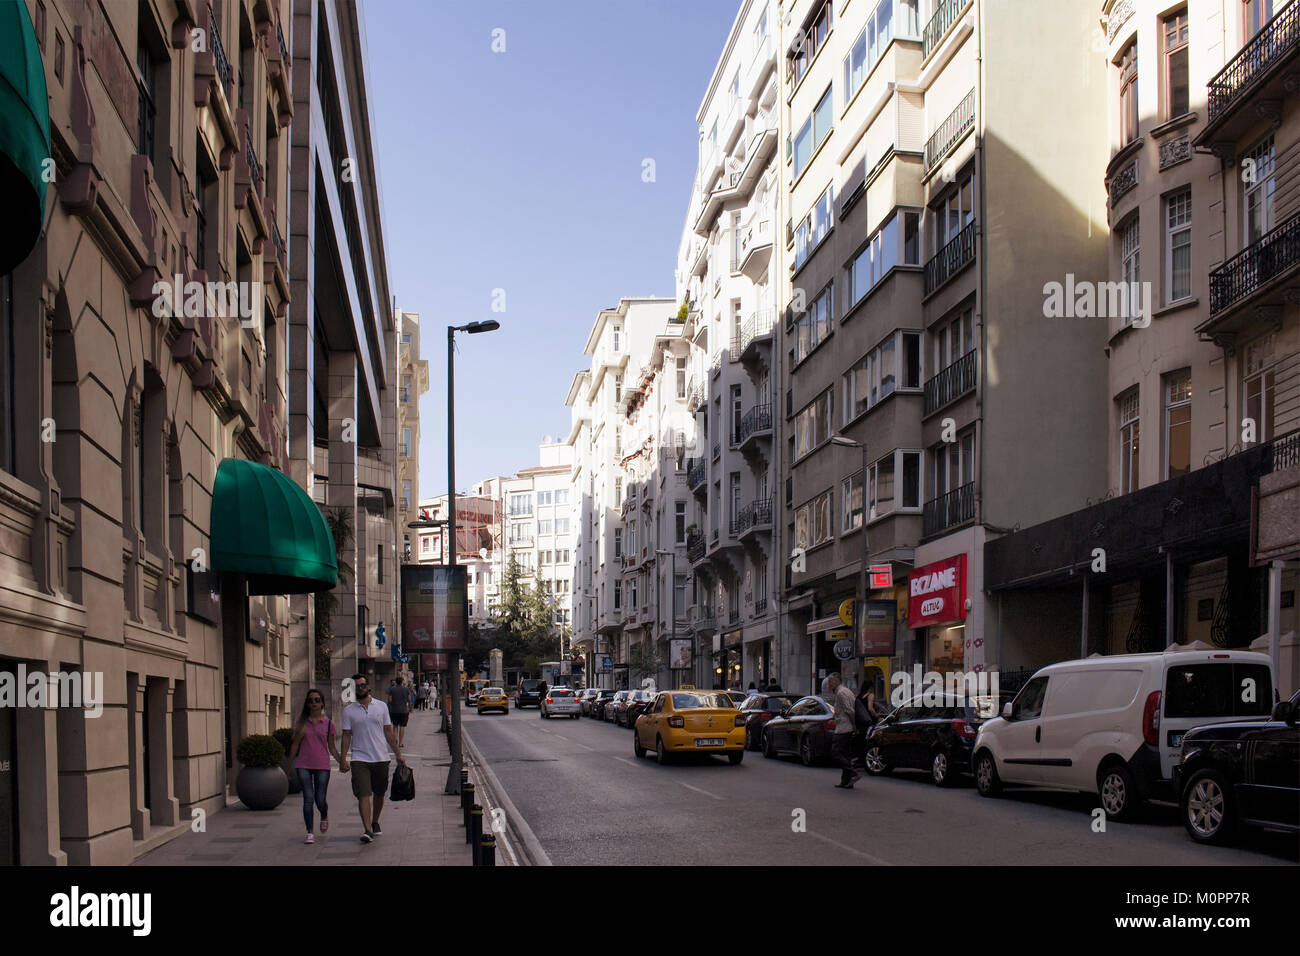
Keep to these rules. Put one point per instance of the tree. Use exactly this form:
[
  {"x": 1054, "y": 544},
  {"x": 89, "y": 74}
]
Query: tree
[
  {"x": 524, "y": 619},
  {"x": 644, "y": 660}
]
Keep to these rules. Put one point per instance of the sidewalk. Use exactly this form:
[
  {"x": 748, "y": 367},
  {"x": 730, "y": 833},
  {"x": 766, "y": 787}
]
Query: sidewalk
[{"x": 426, "y": 831}]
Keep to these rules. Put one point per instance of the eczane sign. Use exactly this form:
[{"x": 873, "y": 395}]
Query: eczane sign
[{"x": 937, "y": 592}]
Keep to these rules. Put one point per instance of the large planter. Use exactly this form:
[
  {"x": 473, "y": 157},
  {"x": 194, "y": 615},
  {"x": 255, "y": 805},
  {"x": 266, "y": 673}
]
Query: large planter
[{"x": 261, "y": 788}]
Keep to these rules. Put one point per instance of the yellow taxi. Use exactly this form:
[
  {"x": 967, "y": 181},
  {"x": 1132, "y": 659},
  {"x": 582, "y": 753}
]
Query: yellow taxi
[
  {"x": 690, "y": 721},
  {"x": 493, "y": 698}
]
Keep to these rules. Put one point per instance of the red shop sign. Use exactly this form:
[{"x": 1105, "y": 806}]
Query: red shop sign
[{"x": 937, "y": 592}]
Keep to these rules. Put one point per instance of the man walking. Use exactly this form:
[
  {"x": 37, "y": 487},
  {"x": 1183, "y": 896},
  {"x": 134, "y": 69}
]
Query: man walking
[
  {"x": 368, "y": 732},
  {"x": 399, "y": 707},
  {"x": 842, "y": 739}
]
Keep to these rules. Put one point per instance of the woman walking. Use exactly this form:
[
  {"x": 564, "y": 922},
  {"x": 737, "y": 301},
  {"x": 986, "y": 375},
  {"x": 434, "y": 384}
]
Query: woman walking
[{"x": 309, "y": 755}]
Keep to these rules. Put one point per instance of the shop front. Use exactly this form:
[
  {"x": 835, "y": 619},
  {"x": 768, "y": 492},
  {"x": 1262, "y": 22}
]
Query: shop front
[
  {"x": 758, "y": 664},
  {"x": 936, "y": 610},
  {"x": 727, "y": 655}
]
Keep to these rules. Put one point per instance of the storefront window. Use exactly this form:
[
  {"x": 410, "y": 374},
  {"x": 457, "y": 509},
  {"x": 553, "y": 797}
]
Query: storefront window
[{"x": 946, "y": 649}]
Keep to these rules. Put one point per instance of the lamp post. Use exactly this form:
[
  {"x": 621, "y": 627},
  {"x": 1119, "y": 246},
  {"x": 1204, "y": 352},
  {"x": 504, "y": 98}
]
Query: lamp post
[
  {"x": 860, "y": 617},
  {"x": 453, "y": 675},
  {"x": 672, "y": 602}
]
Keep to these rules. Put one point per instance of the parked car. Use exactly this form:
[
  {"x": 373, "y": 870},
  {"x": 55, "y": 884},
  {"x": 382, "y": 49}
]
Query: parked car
[
  {"x": 585, "y": 698},
  {"x": 759, "y": 708},
  {"x": 560, "y": 702},
  {"x": 805, "y": 729},
  {"x": 625, "y": 714},
  {"x": 682, "y": 721},
  {"x": 1114, "y": 724},
  {"x": 737, "y": 696},
  {"x": 493, "y": 698},
  {"x": 1242, "y": 773},
  {"x": 529, "y": 693},
  {"x": 611, "y": 708},
  {"x": 935, "y": 733},
  {"x": 597, "y": 706}
]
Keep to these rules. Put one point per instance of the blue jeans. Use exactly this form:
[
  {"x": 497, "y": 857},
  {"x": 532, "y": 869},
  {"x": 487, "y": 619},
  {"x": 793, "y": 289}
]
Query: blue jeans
[{"x": 314, "y": 784}]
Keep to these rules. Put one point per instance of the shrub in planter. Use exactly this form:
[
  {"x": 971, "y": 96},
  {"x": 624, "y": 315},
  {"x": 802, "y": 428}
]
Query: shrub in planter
[
  {"x": 285, "y": 736},
  {"x": 261, "y": 784}
]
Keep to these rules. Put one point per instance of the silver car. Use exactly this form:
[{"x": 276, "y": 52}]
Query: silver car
[{"x": 560, "y": 702}]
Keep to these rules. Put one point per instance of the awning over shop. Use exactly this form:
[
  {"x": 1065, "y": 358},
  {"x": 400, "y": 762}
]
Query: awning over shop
[
  {"x": 832, "y": 623},
  {"x": 266, "y": 527},
  {"x": 24, "y": 134}
]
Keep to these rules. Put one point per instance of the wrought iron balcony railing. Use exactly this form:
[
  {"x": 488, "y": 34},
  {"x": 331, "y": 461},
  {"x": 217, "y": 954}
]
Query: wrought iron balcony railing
[
  {"x": 1274, "y": 253},
  {"x": 950, "y": 130},
  {"x": 254, "y": 164},
  {"x": 950, "y": 384},
  {"x": 757, "y": 419},
  {"x": 950, "y": 510},
  {"x": 754, "y": 515},
  {"x": 697, "y": 472},
  {"x": 219, "y": 52},
  {"x": 694, "y": 546},
  {"x": 951, "y": 259},
  {"x": 1276, "y": 40},
  {"x": 1284, "y": 451},
  {"x": 944, "y": 17}
]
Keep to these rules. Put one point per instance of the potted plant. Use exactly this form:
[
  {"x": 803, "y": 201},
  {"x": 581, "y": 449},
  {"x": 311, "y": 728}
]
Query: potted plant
[
  {"x": 285, "y": 736},
  {"x": 261, "y": 784}
]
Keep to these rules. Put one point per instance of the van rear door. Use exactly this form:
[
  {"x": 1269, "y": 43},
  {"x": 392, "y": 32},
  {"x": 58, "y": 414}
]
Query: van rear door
[{"x": 1212, "y": 691}]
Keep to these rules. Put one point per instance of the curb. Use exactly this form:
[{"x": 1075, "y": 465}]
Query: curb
[{"x": 530, "y": 848}]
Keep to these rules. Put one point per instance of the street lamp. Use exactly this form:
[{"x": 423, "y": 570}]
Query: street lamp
[
  {"x": 673, "y": 584},
  {"x": 860, "y": 617},
  {"x": 453, "y": 676}
]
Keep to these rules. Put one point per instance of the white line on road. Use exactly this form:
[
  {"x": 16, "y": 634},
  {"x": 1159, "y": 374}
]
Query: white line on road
[
  {"x": 630, "y": 763},
  {"x": 698, "y": 790},
  {"x": 848, "y": 849}
]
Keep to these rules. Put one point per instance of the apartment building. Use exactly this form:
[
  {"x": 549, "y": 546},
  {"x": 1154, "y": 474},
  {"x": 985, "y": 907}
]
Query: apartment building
[
  {"x": 1198, "y": 530},
  {"x": 413, "y": 374},
  {"x": 540, "y": 536},
  {"x": 932, "y": 193},
  {"x": 728, "y": 279},
  {"x": 152, "y": 539},
  {"x": 622, "y": 337}
]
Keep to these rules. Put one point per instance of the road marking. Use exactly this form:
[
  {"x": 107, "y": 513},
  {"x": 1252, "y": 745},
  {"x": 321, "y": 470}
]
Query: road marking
[
  {"x": 848, "y": 849},
  {"x": 630, "y": 763},
  {"x": 698, "y": 790}
]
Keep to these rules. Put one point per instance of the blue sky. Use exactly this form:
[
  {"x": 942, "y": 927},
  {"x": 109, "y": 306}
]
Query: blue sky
[{"x": 521, "y": 171}]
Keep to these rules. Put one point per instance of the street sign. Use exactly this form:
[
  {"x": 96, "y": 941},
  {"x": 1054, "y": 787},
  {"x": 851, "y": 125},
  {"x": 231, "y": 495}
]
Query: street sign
[
  {"x": 846, "y": 612},
  {"x": 882, "y": 576},
  {"x": 843, "y": 649}
]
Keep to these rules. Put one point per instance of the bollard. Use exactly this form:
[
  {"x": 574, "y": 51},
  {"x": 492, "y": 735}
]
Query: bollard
[
  {"x": 464, "y": 778},
  {"x": 487, "y": 854},
  {"x": 475, "y": 833},
  {"x": 467, "y": 793}
]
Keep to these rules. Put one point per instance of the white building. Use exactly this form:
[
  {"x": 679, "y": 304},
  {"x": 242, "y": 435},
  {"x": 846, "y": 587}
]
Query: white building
[{"x": 540, "y": 534}]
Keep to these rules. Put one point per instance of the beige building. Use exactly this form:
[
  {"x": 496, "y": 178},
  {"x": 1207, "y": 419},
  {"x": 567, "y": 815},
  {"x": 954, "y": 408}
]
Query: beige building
[
  {"x": 414, "y": 382},
  {"x": 1204, "y": 390}
]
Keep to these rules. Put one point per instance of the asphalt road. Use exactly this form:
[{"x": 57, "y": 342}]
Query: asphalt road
[{"x": 590, "y": 801}]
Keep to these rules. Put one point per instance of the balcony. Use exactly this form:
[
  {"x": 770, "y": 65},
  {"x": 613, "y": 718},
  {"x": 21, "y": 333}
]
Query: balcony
[
  {"x": 950, "y": 260},
  {"x": 949, "y": 511},
  {"x": 717, "y": 449},
  {"x": 760, "y": 66},
  {"x": 950, "y": 132},
  {"x": 703, "y": 623},
  {"x": 1259, "y": 73},
  {"x": 1255, "y": 276},
  {"x": 755, "y": 250},
  {"x": 695, "y": 547},
  {"x": 716, "y": 366},
  {"x": 224, "y": 73},
  {"x": 760, "y": 606},
  {"x": 951, "y": 384},
  {"x": 756, "y": 330},
  {"x": 756, "y": 424},
  {"x": 944, "y": 17},
  {"x": 525, "y": 541},
  {"x": 697, "y": 474},
  {"x": 754, "y": 517},
  {"x": 695, "y": 398},
  {"x": 699, "y": 257}
]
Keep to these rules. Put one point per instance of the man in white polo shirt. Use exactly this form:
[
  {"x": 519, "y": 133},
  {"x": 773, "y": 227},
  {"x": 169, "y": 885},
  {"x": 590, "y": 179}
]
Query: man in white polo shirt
[{"x": 368, "y": 733}]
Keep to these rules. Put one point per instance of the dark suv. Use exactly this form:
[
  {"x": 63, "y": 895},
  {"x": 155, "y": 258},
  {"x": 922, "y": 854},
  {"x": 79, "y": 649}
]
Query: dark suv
[{"x": 529, "y": 693}]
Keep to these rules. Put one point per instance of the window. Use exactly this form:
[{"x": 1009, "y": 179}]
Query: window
[
  {"x": 618, "y": 329},
  {"x": 680, "y": 522},
  {"x": 737, "y": 414},
  {"x": 734, "y": 496},
  {"x": 954, "y": 464},
  {"x": 521, "y": 505},
  {"x": 814, "y": 37},
  {"x": 424, "y": 545},
  {"x": 618, "y": 389},
  {"x": 679, "y": 595},
  {"x": 618, "y": 542},
  {"x": 851, "y": 503},
  {"x": 561, "y": 525},
  {"x": 406, "y": 494},
  {"x": 814, "y": 227},
  {"x": 618, "y": 492},
  {"x": 1178, "y": 423},
  {"x": 379, "y": 562},
  {"x": 882, "y": 26},
  {"x": 955, "y": 212},
  {"x": 1260, "y": 401},
  {"x": 894, "y": 483},
  {"x": 1257, "y": 175},
  {"x": 1130, "y": 271},
  {"x": 681, "y": 379},
  {"x": 521, "y": 531},
  {"x": 813, "y": 522},
  {"x": 1178, "y": 246},
  {"x": 1176, "y": 83},
  {"x": 544, "y": 526},
  {"x": 562, "y": 496},
  {"x": 878, "y": 373},
  {"x": 814, "y": 326},
  {"x": 1128, "y": 440},
  {"x": 953, "y": 338},
  {"x": 406, "y": 443},
  {"x": 1128, "y": 94},
  {"x": 880, "y": 254},
  {"x": 814, "y": 131},
  {"x": 1255, "y": 13},
  {"x": 146, "y": 98},
  {"x": 543, "y": 498},
  {"x": 812, "y": 426},
  {"x": 760, "y": 32}
]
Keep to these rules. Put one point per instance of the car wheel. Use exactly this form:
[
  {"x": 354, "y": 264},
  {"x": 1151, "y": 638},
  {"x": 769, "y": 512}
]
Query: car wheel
[
  {"x": 1119, "y": 796},
  {"x": 636, "y": 745},
  {"x": 941, "y": 771},
  {"x": 735, "y": 757},
  {"x": 874, "y": 759},
  {"x": 1207, "y": 810},
  {"x": 661, "y": 752},
  {"x": 806, "y": 751},
  {"x": 986, "y": 775},
  {"x": 768, "y": 750}
]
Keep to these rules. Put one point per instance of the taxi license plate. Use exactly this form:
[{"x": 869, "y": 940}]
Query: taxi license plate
[{"x": 709, "y": 742}]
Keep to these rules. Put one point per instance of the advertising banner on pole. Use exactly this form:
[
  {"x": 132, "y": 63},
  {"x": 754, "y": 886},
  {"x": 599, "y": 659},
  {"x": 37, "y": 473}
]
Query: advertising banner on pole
[
  {"x": 433, "y": 608},
  {"x": 876, "y": 629},
  {"x": 679, "y": 654}
]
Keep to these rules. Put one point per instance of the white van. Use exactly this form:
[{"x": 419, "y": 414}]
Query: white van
[{"x": 1114, "y": 724}]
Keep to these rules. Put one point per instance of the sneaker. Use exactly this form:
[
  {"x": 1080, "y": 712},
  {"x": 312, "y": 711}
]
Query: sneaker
[
  {"x": 845, "y": 786},
  {"x": 367, "y": 838},
  {"x": 310, "y": 839},
  {"x": 324, "y": 824},
  {"x": 376, "y": 829},
  {"x": 857, "y": 775}
]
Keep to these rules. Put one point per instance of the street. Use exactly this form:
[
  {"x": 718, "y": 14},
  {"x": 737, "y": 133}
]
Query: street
[{"x": 590, "y": 801}]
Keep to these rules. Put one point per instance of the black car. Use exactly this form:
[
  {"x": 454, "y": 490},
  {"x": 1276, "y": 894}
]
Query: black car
[
  {"x": 597, "y": 706},
  {"x": 935, "y": 734},
  {"x": 634, "y": 707},
  {"x": 1241, "y": 773},
  {"x": 760, "y": 707},
  {"x": 530, "y": 693},
  {"x": 805, "y": 729},
  {"x": 611, "y": 708}
]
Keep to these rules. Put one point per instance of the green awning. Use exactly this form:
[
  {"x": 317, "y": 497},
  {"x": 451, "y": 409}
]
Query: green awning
[
  {"x": 24, "y": 134},
  {"x": 264, "y": 526}
]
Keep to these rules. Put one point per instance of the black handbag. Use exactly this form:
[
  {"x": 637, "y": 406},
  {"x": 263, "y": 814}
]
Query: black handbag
[{"x": 403, "y": 784}]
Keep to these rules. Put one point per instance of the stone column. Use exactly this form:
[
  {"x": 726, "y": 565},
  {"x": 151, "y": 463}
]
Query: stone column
[
  {"x": 135, "y": 704},
  {"x": 160, "y": 699},
  {"x": 39, "y": 834}
]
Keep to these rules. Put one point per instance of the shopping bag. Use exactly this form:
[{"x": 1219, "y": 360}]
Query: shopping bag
[{"x": 403, "y": 784}]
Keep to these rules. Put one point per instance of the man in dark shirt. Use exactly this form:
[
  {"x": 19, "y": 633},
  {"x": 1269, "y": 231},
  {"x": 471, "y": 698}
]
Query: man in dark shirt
[{"x": 399, "y": 707}]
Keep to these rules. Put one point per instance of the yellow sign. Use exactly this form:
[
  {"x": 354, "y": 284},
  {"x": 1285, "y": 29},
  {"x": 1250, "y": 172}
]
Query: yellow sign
[
  {"x": 686, "y": 687},
  {"x": 837, "y": 635},
  {"x": 846, "y": 612}
]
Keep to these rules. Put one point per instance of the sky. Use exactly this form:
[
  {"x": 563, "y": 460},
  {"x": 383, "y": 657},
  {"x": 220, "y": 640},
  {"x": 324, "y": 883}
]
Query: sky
[{"x": 521, "y": 171}]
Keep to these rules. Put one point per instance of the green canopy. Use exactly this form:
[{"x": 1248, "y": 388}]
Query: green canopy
[
  {"x": 264, "y": 526},
  {"x": 24, "y": 134}
]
